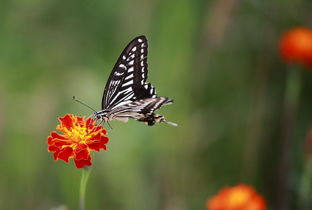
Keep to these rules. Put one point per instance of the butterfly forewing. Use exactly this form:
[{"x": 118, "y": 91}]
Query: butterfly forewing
[{"x": 127, "y": 82}]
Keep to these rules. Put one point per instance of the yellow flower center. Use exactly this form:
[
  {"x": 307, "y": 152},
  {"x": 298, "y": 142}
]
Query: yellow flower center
[
  {"x": 238, "y": 197},
  {"x": 78, "y": 134}
]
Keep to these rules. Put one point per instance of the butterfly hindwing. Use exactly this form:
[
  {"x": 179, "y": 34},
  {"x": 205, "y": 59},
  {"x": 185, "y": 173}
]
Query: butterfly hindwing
[{"x": 142, "y": 106}]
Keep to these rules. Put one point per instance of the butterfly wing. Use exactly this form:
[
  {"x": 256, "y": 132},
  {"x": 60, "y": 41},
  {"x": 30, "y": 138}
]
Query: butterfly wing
[
  {"x": 127, "y": 81},
  {"x": 139, "y": 108},
  {"x": 127, "y": 94}
]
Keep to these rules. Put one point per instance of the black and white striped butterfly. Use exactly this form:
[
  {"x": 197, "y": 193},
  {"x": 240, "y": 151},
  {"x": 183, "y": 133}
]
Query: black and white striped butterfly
[{"x": 127, "y": 94}]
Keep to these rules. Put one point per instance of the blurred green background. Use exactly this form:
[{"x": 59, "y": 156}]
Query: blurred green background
[{"x": 217, "y": 59}]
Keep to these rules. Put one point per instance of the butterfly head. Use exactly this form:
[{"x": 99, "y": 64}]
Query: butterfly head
[{"x": 101, "y": 115}]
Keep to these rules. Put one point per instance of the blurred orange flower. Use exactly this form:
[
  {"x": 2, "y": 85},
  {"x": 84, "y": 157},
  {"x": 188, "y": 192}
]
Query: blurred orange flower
[
  {"x": 296, "y": 46},
  {"x": 240, "y": 197},
  {"x": 79, "y": 138}
]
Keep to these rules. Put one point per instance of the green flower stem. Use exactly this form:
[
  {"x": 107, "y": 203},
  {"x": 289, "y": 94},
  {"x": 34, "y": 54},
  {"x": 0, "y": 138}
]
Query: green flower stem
[
  {"x": 293, "y": 86},
  {"x": 83, "y": 184},
  {"x": 305, "y": 186},
  {"x": 291, "y": 102}
]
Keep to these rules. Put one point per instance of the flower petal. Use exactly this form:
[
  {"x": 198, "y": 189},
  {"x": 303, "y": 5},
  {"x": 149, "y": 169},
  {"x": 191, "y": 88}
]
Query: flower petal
[
  {"x": 57, "y": 136},
  {"x": 104, "y": 139},
  {"x": 80, "y": 147},
  {"x": 58, "y": 143},
  {"x": 65, "y": 154},
  {"x": 82, "y": 154},
  {"x": 67, "y": 121},
  {"x": 90, "y": 123},
  {"x": 55, "y": 155},
  {"x": 82, "y": 162},
  {"x": 53, "y": 148},
  {"x": 96, "y": 145}
]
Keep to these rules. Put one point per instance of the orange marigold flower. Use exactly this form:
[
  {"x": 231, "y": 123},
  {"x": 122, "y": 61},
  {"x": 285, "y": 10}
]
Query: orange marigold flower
[
  {"x": 296, "y": 46},
  {"x": 240, "y": 197},
  {"x": 79, "y": 138}
]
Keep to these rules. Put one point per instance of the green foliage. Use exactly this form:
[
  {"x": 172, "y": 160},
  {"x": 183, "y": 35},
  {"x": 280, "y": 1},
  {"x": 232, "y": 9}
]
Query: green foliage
[{"x": 217, "y": 59}]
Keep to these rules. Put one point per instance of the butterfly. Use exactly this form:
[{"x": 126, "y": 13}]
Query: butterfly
[{"x": 127, "y": 95}]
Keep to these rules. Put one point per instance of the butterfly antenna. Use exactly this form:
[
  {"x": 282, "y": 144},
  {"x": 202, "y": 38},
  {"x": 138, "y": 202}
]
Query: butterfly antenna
[{"x": 74, "y": 98}]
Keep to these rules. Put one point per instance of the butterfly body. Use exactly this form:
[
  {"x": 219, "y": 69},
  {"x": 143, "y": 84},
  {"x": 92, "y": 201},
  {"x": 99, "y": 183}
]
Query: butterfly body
[{"x": 127, "y": 95}]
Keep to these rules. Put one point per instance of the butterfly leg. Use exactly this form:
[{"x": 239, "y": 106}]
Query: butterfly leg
[
  {"x": 109, "y": 125},
  {"x": 101, "y": 121}
]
